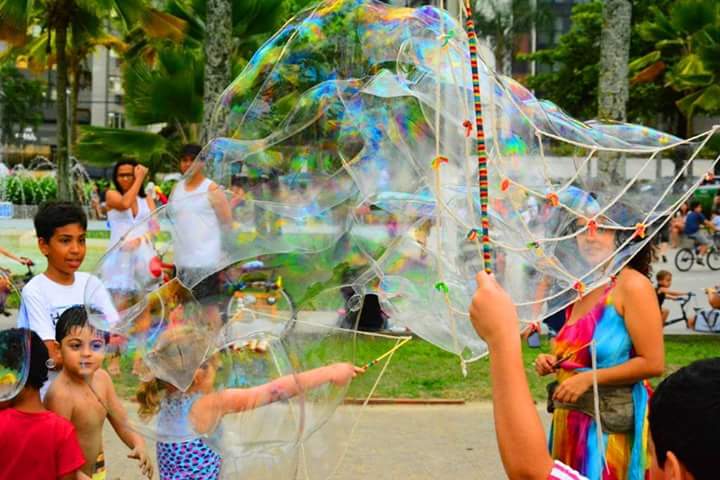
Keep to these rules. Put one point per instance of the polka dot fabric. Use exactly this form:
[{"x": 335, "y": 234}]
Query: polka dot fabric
[{"x": 191, "y": 460}]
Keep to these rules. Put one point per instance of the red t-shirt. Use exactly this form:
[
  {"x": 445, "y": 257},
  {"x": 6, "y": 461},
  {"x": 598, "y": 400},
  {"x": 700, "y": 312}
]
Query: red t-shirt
[{"x": 37, "y": 445}]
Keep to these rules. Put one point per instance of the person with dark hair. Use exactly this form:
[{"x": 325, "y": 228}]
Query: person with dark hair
[
  {"x": 684, "y": 412},
  {"x": 664, "y": 282},
  {"x": 685, "y": 421},
  {"x": 61, "y": 229},
  {"x": 84, "y": 394},
  {"x": 189, "y": 152},
  {"x": 128, "y": 209},
  {"x": 622, "y": 321},
  {"x": 695, "y": 223},
  {"x": 35, "y": 442},
  {"x": 201, "y": 213},
  {"x": 128, "y": 203}
]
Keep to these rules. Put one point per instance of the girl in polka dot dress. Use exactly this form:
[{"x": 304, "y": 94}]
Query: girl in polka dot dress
[{"x": 196, "y": 414}]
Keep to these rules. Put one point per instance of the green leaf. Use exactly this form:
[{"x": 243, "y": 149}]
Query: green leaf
[
  {"x": 690, "y": 16},
  {"x": 689, "y": 73},
  {"x": 647, "y": 60},
  {"x": 687, "y": 104},
  {"x": 169, "y": 91},
  {"x": 658, "y": 29},
  {"x": 104, "y": 146},
  {"x": 670, "y": 43},
  {"x": 15, "y": 16},
  {"x": 709, "y": 100}
]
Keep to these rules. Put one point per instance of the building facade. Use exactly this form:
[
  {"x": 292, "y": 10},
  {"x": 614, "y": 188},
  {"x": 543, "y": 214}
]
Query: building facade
[{"x": 100, "y": 102}]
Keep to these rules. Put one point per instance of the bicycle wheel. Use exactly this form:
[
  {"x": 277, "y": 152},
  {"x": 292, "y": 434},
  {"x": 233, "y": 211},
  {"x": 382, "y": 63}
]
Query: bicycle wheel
[
  {"x": 713, "y": 259},
  {"x": 684, "y": 259}
]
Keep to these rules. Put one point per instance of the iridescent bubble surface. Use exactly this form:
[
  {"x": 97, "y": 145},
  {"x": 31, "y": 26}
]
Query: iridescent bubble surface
[{"x": 345, "y": 169}]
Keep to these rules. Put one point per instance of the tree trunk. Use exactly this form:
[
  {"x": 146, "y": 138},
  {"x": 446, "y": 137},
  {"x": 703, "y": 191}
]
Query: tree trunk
[
  {"x": 74, "y": 92},
  {"x": 613, "y": 88},
  {"x": 62, "y": 161},
  {"x": 218, "y": 46},
  {"x": 689, "y": 132}
]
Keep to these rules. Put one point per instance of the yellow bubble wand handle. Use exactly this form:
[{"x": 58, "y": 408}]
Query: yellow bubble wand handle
[{"x": 388, "y": 353}]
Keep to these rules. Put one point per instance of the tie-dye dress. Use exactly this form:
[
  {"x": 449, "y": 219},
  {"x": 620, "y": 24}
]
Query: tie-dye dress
[{"x": 573, "y": 436}]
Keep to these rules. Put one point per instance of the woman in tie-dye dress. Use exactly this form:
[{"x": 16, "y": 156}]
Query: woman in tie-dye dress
[{"x": 623, "y": 320}]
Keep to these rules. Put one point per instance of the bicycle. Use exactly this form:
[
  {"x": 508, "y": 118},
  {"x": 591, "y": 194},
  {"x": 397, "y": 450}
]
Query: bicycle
[
  {"x": 688, "y": 255},
  {"x": 18, "y": 281},
  {"x": 684, "y": 300},
  {"x": 12, "y": 284}
]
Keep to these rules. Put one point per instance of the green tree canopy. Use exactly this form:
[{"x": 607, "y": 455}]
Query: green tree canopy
[{"x": 21, "y": 101}]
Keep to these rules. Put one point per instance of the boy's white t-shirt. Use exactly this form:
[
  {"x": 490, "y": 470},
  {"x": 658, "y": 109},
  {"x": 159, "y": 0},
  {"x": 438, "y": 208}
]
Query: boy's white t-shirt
[{"x": 43, "y": 301}]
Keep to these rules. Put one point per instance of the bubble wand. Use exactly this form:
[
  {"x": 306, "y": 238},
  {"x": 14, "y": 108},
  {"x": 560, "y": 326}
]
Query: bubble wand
[
  {"x": 388, "y": 353},
  {"x": 480, "y": 138}
]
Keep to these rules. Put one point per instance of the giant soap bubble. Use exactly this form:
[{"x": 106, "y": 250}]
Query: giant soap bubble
[
  {"x": 14, "y": 345},
  {"x": 255, "y": 345},
  {"x": 345, "y": 168},
  {"x": 349, "y": 142},
  {"x": 366, "y": 112}
]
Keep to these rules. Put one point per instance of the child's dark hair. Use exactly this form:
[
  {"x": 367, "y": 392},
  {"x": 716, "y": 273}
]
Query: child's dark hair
[
  {"x": 52, "y": 215},
  {"x": 73, "y": 317},
  {"x": 132, "y": 163},
  {"x": 694, "y": 204},
  {"x": 662, "y": 275},
  {"x": 12, "y": 347},
  {"x": 685, "y": 417}
]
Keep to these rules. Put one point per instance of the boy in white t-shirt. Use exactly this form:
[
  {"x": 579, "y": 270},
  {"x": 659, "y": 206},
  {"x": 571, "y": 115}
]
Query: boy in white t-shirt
[{"x": 60, "y": 228}]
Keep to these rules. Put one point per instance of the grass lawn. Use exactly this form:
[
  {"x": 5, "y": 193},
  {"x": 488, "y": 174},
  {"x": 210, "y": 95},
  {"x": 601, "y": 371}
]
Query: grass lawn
[{"x": 420, "y": 370}]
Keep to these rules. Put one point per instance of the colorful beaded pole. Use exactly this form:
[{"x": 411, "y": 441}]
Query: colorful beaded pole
[{"x": 480, "y": 133}]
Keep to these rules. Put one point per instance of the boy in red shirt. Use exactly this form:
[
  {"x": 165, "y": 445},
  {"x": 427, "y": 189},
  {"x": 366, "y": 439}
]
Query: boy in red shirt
[{"x": 35, "y": 442}]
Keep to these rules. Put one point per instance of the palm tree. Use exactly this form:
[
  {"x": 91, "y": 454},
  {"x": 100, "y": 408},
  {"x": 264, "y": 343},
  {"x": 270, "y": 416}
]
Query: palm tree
[
  {"x": 502, "y": 22},
  {"x": 62, "y": 18},
  {"x": 686, "y": 57},
  {"x": 166, "y": 79},
  {"x": 35, "y": 56},
  {"x": 613, "y": 87},
  {"x": 217, "y": 57}
]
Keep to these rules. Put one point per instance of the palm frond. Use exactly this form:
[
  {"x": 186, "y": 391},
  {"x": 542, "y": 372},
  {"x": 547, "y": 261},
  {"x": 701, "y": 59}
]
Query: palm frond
[
  {"x": 105, "y": 146},
  {"x": 15, "y": 16}
]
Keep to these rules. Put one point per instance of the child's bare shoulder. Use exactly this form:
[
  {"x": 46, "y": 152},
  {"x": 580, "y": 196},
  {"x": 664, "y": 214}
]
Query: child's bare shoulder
[
  {"x": 58, "y": 390},
  {"x": 60, "y": 399},
  {"x": 102, "y": 381}
]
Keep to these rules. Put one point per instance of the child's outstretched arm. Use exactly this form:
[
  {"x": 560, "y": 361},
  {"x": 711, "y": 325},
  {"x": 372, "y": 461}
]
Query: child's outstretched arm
[
  {"x": 239, "y": 399},
  {"x": 520, "y": 434},
  {"x": 672, "y": 294},
  {"x": 12, "y": 256},
  {"x": 119, "y": 420},
  {"x": 207, "y": 411}
]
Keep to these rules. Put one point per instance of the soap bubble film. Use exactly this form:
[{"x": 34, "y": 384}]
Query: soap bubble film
[{"x": 344, "y": 175}]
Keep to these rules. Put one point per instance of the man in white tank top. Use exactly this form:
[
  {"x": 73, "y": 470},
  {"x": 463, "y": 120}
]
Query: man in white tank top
[{"x": 200, "y": 212}]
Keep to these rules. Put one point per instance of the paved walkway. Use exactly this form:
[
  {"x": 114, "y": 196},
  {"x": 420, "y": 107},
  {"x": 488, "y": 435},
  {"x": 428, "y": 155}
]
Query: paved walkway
[{"x": 397, "y": 442}]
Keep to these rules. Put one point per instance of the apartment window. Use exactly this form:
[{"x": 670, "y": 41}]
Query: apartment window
[
  {"x": 115, "y": 85},
  {"x": 116, "y": 120}
]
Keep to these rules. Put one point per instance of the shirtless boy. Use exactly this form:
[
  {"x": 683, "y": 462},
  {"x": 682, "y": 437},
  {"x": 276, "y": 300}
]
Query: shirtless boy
[{"x": 84, "y": 394}]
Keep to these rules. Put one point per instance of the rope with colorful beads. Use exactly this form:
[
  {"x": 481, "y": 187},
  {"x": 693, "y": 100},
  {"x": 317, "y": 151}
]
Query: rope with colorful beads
[{"x": 480, "y": 136}]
